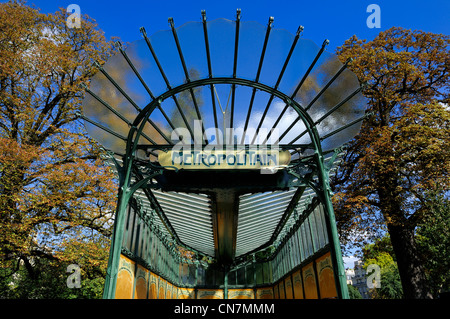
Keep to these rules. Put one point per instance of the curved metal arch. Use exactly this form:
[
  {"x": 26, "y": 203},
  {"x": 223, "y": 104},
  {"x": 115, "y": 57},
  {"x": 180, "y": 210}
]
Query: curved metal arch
[
  {"x": 141, "y": 118},
  {"x": 137, "y": 127},
  {"x": 140, "y": 121}
]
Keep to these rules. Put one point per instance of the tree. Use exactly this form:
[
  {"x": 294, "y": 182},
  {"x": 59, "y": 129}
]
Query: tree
[
  {"x": 433, "y": 239},
  {"x": 402, "y": 150},
  {"x": 55, "y": 191},
  {"x": 381, "y": 253},
  {"x": 353, "y": 292}
]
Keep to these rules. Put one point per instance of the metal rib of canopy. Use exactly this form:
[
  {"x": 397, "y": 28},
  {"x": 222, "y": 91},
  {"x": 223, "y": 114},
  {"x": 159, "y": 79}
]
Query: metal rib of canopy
[{"x": 272, "y": 87}]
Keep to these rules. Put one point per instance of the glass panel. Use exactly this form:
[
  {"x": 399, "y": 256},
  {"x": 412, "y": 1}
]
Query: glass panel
[
  {"x": 259, "y": 274},
  {"x": 192, "y": 272},
  {"x": 165, "y": 48},
  {"x": 313, "y": 229},
  {"x": 125, "y": 240},
  {"x": 137, "y": 235},
  {"x": 324, "y": 223},
  {"x": 275, "y": 268},
  {"x": 219, "y": 277},
  {"x": 271, "y": 279},
  {"x": 240, "y": 279},
  {"x": 150, "y": 248},
  {"x": 145, "y": 241},
  {"x": 99, "y": 113},
  {"x": 232, "y": 278},
  {"x": 201, "y": 273},
  {"x": 192, "y": 43},
  {"x": 319, "y": 225},
  {"x": 301, "y": 59},
  {"x": 297, "y": 258},
  {"x": 141, "y": 237},
  {"x": 308, "y": 237},
  {"x": 106, "y": 139},
  {"x": 292, "y": 251},
  {"x": 286, "y": 257},
  {"x": 300, "y": 245},
  {"x": 186, "y": 102},
  {"x": 209, "y": 276},
  {"x": 283, "y": 261},
  {"x": 140, "y": 55},
  {"x": 162, "y": 258},
  {"x": 278, "y": 47},
  {"x": 340, "y": 89},
  {"x": 184, "y": 273},
  {"x": 304, "y": 241},
  {"x": 133, "y": 230},
  {"x": 221, "y": 34},
  {"x": 156, "y": 253},
  {"x": 123, "y": 75},
  {"x": 249, "y": 269},
  {"x": 251, "y": 40},
  {"x": 266, "y": 272}
]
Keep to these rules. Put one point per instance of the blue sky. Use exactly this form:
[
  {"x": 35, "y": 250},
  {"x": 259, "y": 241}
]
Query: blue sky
[{"x": 333, "y": 20}]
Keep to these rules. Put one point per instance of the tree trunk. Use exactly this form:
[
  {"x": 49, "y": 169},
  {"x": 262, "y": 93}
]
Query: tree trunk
[
  {"x": 414, "y": 282},
  {"x": 401, "y": 231}
]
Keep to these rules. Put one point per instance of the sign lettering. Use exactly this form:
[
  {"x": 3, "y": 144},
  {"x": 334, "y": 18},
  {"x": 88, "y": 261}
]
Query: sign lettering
[{"x": 224, "y": 159}]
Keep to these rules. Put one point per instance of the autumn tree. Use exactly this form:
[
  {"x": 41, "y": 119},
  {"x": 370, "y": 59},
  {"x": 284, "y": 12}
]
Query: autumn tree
[
  {"x": 401, "y": 153},
  {"x": 56, "y": 194},
  {"x": 381, "y": 253}
]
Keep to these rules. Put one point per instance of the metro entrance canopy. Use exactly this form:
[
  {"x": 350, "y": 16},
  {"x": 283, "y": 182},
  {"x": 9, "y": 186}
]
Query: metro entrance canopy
[{"x": 224, "y": 135}]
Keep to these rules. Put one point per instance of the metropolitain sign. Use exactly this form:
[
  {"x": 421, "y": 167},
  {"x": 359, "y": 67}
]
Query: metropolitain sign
[{"x": 225, "y": 159}]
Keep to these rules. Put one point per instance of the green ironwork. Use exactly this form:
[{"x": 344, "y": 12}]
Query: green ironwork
[{"x": 213, "y": 214}]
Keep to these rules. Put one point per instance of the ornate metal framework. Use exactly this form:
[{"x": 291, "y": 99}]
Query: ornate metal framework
[{"x": 225, "y": 217}]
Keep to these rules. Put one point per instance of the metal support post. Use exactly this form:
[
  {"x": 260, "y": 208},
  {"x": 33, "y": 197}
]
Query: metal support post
[{"x": 336, "y": 255}]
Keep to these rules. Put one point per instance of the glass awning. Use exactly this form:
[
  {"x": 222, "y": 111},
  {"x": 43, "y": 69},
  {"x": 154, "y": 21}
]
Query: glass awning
[
  {"x": 215, "y": 83},
  {"x": 148, "y": 68}
]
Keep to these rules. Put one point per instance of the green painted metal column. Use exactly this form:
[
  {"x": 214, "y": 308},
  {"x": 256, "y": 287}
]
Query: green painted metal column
[
  {"x": 325, "y": 195},
  {"x": 225, "y": 284},
  {"x": 116, "y": 241},
  {"x": 333, "y": 237},
  {"x": 126, "y": 191}
]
